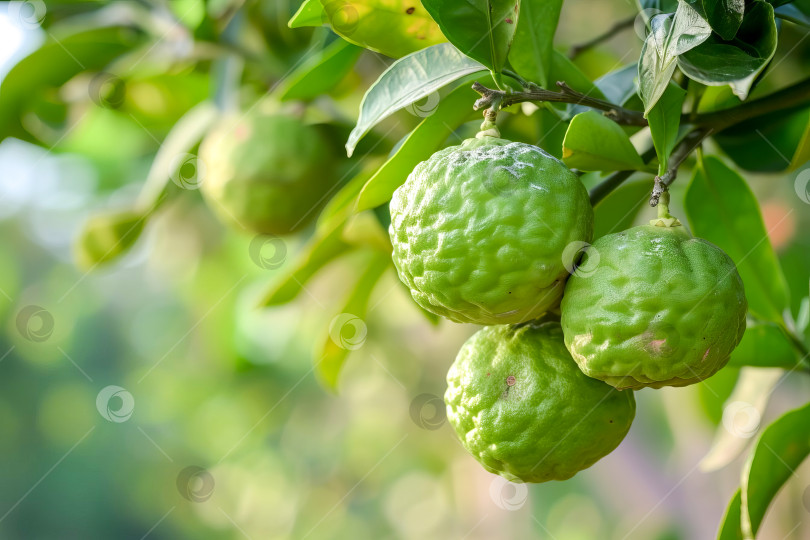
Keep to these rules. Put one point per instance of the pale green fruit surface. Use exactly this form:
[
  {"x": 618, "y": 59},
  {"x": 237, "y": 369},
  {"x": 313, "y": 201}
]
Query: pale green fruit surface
[
  {"x": 267, "y": 173},
  {"x": 523, "y": 409},
  {"x": 479, "y": 230},
  {"x": 655, "y": 307}
]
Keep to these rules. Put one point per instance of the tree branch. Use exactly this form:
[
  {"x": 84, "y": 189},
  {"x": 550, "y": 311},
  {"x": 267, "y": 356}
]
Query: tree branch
[
  {"x": 691, "y": 141},
  {"x": 576, "y": 50},
  {"x": 795, "y": 96},
  {"x": 566, "y": 95}
]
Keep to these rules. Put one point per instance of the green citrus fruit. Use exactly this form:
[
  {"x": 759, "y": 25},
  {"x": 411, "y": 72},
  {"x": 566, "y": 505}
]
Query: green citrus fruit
[
  {"x": 655, "y": 307},
  {"x": 266, "y": 172},
  {"x": 525, "y": 411},
  {"x": 479, "y": 230}
]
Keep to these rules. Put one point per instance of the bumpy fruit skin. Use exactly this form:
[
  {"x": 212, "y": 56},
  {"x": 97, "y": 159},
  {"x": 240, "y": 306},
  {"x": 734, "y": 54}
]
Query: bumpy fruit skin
[
  {"x": 659, "y": 308},
  {"x": 266, "y": 172},
  {"x": 479, "y": 231},
  {"x": 525, "y": 411}
]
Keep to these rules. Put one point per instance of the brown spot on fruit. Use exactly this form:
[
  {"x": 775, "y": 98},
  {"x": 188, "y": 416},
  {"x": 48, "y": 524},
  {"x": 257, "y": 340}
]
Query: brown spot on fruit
[
  {"x": 410, "y": 10},
  {"x": 510, "y": 380}
]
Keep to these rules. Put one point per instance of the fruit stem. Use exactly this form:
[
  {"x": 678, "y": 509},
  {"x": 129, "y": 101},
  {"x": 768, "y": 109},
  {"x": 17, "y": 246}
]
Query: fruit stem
[
  {"x": 664, "y": 219},
  {"x": 488, "y": 126}
]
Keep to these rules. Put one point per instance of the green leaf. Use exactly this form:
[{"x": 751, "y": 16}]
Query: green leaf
[
  {"x": 408, "y": 80},
  {"x": 740, "y": 416},
  {"x": 321, "y": 72},
  {"x": 730, "y": 527},
  {"x": 619, "y": 85},
  {"x": 722, "y": 209},
  {"x": 797, "y": 12},
  {"x": 481, "y": 29},
  {"x": 309, "y": 14},
  {"x": 619, "y": 209},
  {"x": 778, "y": 452},
  {"x": 52, "y": 65},
  {"x": 563, "y": 69},
  {"x": 333, "y": 351},
  {"x": 737, "y": 62},
  {"x": 393, "y": 28},
  {"x": 596, "y": 143},
  {"x": 453, "y": 110},
  {"x": 774, "y": 143},
  {"x": 321, "y": 249},
  {"x": 533, "y": 48},
  {"x": 665, "y": 119},
  {"x": 342, "y": 205},
  {"x": 764, "y": 345},
  {"x": 724, "y": 16},
  {"x": 670, "y": 36},
  {"x": 106, "y": 237}
]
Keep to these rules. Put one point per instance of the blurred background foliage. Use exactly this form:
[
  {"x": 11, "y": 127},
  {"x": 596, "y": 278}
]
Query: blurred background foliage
[{"x": 91, "y": 90}]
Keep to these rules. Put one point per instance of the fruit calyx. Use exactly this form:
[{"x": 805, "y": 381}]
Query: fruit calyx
[{"x": 665, "y": 219}]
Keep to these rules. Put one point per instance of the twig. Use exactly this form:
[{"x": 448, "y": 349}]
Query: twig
[
  {"x": 683, "y": 151},
  {"x": 576, "y": 50},
  {"x": 565, "y": 95}
]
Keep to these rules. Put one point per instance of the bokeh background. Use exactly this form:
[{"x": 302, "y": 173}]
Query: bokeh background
[{"x": 151, "y": 399}]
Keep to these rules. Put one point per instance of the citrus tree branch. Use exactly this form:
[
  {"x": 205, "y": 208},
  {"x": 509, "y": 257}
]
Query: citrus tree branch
[
  {"x": 794, "y": 96},
  {"x": 623, "y": 24},
  {"x": 691, "y": 141},
  {"x": 566, "y": 95}
]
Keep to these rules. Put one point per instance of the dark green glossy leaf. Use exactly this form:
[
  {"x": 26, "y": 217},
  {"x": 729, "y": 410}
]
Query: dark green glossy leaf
[
  {"x": 722, "y": 209},
  {"x": 619, "y": 85},
  {"x": 409, "y": 80},
  {"x": 321, "y": 72},
  {"x": 724, "y": 16},
  {"x": 797, "y": 12},
  {"x": 665, "y": 119},
  {"x": 481, "y": 29},
  {"x": 532, "y": 50},
  {"x": 563, "y": 69},
  {"x": 777, "y": 454},
  {"x": 670, "y": 36},
  {"x": 737, "y": 62},
  {"x": 394, "y": 28},
  {"x": 453, "y": 110},
  {"x": 596, "y": 143},
  {"x": 347, "y": 331},
  {"x": 775, "y": 143},
  {"x": 764, "y": 345},
  {"x": 51, "y": 66},
  {"x": 619, "y": 209},
  {"x": 730, "y": 526}
]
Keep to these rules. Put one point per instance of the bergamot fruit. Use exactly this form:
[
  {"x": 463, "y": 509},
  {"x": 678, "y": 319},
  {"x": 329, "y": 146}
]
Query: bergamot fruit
[
  {"x": 655, "y": 307},
  {"x": 266, "y": 172},
  {"x": 525, "y": 411},
  {"x": 479, "y": 230}
]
